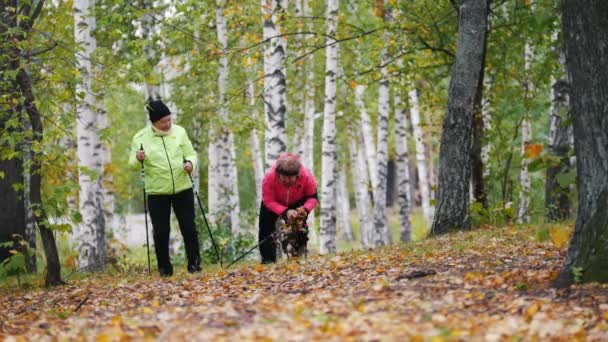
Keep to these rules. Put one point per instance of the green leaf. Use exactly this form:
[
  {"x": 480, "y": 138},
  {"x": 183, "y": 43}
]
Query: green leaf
[{"x": 565, "y": 179}]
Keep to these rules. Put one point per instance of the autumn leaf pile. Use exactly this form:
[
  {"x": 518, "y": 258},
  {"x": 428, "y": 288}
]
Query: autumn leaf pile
[{"x": 488, "y": 284}]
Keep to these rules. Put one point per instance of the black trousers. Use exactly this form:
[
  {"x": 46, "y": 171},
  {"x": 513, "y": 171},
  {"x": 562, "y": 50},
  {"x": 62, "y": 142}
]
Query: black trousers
[
  {"x": 160, "y": 213},
  {"x": 267, "y": 226}
]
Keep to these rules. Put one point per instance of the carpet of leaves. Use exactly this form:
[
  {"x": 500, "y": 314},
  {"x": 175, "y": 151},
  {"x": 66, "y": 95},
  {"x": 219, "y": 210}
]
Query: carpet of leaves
[{"x": 488, "y": 284}]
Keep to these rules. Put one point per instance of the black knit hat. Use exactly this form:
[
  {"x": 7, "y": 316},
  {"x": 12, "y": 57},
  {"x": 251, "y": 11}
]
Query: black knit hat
[{"x": 157, "y": 110}]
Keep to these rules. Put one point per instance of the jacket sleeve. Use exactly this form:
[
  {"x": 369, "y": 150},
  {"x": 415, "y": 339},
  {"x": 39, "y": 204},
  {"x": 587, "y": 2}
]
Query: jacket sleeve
[
  {"x": 268, "y": 195},
  {"x": 310, "y": 191},
  {"x": 188, "y": 150},
  {"x": 133, "y": 162}
]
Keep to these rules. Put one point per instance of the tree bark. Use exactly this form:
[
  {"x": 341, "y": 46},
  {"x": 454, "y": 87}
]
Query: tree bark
[
  {"x": 382, "y": 234},
  {"x": 275, "y": 82},
  {"x": 585, "y": 27},
  {"x": 423, "y": 174},
  {"x": 403, "y": 169},
  {"x": 327, "y": 243},
  {"x": 53, "y": 274},
  {"x": 557, "y": 201},
  {"x": 454, "y": 157},
  {"x": 90, "y": 234},
  {"x": 361, "y": 183}
]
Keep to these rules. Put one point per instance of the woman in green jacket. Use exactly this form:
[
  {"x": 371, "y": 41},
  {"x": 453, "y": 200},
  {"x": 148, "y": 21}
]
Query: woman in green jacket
[{"x": 168, "y": 158}]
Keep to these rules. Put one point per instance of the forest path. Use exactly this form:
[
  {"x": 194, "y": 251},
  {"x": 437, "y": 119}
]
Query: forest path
[{"x": 486, "y": 284}]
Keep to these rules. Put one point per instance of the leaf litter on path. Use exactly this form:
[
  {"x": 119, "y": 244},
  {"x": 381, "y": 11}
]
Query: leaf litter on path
[{"x": 497, "y": 288}]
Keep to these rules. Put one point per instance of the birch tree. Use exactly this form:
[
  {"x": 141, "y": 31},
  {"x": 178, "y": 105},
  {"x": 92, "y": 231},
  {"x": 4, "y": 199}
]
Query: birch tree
[
  {"x": 228, "y": 178},
  {"x": 523, "y": 211},
  {"x": 403, "y": 170},
  {"x": 328, "y": 160},
  {"x": 254, "y": 139},
  {"x": 90, "y": 234},
  {"x": 151, "y": 81},
  {"x": 381, "y": 231},
  {"x": 423, "y": 176},
  {"x": 557, "y": 201},
  {"x": 275, "y": 94},
  {"x": 454, "y": 155},
  {"x": 361, "y": 185},
  {"x": 309, "y": 117},
  {"x": 344, "y": 206}
]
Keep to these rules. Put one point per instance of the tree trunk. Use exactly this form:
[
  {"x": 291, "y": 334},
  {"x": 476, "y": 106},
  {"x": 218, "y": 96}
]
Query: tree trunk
[
  {"x": 309, "y": 119},
  {"x": 152, "y": 79},
  {"x": 344, "y": 206},
  {"x": 361, "y": 185},
  {"x": 381, "y": 231},
  {"x": 585, "y": 27},
  {"x": 403, "y": 170},
  {"x": 53, "y": 273},
  {"x": 486, "y": 116},
  {"x": 423, "y": 175},
  {"x": 228, "y": 180},
  {"x": 275, "y": 82},
  {"x": 478, "y": 166},
  {"x": 368, "y": 140},
  {"x": 327, "y": 243},
  {"x": 90, "y": 234},
  {"x": 557, "y": 200},
  {"x": 254, "y": 140},
  {"x": 523, "y": 211},
  {"x": 454, "y": 157}
]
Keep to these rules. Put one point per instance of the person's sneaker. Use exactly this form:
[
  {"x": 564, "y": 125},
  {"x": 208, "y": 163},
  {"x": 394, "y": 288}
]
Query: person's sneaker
[{"x": 268, "y": 261}]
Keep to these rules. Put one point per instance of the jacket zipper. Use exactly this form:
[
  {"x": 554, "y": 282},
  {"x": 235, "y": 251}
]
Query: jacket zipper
[{"x": 169, "y": 162}]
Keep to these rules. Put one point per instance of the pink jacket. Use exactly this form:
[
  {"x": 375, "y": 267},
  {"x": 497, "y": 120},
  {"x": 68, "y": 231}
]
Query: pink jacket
[{"x": 277, "y": 197}]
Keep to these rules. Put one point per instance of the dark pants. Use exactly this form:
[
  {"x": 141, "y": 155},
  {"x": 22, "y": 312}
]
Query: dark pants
[
  {"x": 160, "y": 213},
  {"x": 267, "y": 226}
]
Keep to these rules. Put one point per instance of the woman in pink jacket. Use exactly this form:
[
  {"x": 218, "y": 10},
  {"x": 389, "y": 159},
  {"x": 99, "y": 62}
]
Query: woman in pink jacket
[{"x": 286, "y": 187}]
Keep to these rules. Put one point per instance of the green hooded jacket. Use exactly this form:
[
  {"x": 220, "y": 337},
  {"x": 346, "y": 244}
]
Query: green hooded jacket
[{"x": 164, "y": 161}]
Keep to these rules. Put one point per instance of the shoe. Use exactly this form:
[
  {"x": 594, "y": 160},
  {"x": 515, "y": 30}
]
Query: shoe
[
  {"x": 268, "y": 261},
  {"x": 165, "y": 273}
]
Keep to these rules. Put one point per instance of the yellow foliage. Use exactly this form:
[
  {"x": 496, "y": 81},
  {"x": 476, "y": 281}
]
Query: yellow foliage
[{"x": 559, "y": 236}]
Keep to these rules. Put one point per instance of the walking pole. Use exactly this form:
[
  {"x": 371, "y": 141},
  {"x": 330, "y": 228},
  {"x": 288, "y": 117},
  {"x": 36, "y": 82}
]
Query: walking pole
[
  {"x": 251, "y": 249},
  {"x": 217, "y": 253},
  {"x": 143, "y": 186}
]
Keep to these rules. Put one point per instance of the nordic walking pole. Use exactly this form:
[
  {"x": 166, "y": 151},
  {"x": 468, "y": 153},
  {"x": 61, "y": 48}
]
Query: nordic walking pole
[
  {"x": 251, "y": 249},
  {"x": 143, "y": 186},
  {"x": 217, "y": 253}
]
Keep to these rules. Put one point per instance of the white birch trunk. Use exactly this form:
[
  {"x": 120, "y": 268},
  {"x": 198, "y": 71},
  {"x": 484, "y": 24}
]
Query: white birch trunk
[
  {"x": 523, "y": 212},
  {"x": 423, "y": 177},
  {"x": 212, "y": 180},
  {"x": 368, "y": 136},
  {"x": 403, "y": 170},
  {"x": 328, "y": 160},
  {"x": 254, "y": 140},
  {"x": 361, "y": 184},
  {"x": 486, "y": 117},
  {"x": 382, "y": 234},
  {"x": 228, "y": 181},
  {"x": 344, "y": 206},
  {"x": 152, "y": 80},
  {"x": 428, "y": 149},
  {"x": 90, "y": 234},
  {"x": 309, "y": 120},
  {"x": 275, "y": 94}
]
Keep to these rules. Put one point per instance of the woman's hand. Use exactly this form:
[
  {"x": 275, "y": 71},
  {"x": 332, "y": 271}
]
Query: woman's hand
[{"x": 188, "y": 166}]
